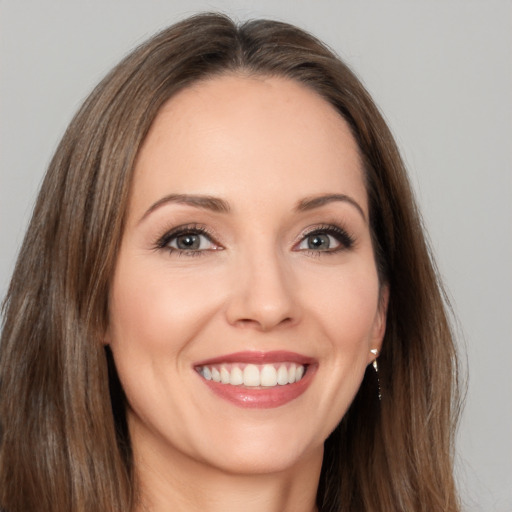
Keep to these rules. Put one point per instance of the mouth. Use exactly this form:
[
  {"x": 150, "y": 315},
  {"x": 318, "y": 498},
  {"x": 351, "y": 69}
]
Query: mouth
[
  {"x": 258, "y": 379},
  {"x": 253, "y": 375}
]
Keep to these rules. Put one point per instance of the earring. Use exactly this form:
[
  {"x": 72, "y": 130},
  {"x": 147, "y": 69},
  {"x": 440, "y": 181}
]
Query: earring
[{"x": 375, "y": 365}]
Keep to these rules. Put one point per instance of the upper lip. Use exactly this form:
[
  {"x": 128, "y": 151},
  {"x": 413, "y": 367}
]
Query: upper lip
[{"x": 259, "y": 357}]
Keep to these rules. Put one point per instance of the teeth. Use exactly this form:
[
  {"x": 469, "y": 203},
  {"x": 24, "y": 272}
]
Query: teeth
[
  {"x": 224, "y": 376},
  {"x": 252, "y": 375},
  {"x": 282, "y": 375},
  {"x": 292, "y": 374},
  {"x": 236, "y": 377},
  {"x": 268, "y": 376}
]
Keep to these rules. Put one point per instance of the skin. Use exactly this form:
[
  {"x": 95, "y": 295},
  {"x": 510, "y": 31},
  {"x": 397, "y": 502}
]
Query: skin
[{"x": 261, "y": 145}]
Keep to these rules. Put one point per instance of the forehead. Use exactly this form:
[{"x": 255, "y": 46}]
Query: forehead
[{"x": 232, "y": 135}]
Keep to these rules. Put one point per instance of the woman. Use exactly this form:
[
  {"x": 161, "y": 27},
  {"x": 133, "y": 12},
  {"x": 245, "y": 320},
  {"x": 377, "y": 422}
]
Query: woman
[{"x": 224, "y": 243}]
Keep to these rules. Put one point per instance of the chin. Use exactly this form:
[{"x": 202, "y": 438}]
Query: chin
[
  {"x": 265, "y": 461},
  {"x": 263, "y": 449}
]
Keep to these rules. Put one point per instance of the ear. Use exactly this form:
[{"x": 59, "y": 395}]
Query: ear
[{"x": 379, "y": 325}]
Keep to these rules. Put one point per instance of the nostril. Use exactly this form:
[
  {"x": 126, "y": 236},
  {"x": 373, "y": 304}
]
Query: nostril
[{"x": 261, "y": 324}]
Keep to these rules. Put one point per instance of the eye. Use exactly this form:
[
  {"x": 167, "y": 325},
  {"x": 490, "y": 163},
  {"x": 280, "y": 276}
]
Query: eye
[
  {"x": 191, "y": 242},
  {"x": 326, "y": 239},
  {"x": 187, "y": 240},
  {"x": 319, "y": 242}
]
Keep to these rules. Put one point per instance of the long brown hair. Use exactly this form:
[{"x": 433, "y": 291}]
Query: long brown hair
[{"x": 64, "y": 442}]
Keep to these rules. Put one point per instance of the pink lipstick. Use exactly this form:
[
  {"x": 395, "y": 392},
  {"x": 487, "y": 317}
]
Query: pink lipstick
[{"x": 258, "y": 379}]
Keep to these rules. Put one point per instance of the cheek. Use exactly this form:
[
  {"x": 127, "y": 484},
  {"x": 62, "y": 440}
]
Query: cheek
[
  {"x": 152, "y": 311},
  {"x": 345, "y": 304},
  {"x": 155, "y": 316},
  {"x": 342, "y": 309}
]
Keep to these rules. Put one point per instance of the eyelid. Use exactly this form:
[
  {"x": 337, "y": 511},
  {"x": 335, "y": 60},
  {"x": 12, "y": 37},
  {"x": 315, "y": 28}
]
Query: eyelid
[
  {"x": 200, "y": 229},
  {"x": 345, "y": 240}
]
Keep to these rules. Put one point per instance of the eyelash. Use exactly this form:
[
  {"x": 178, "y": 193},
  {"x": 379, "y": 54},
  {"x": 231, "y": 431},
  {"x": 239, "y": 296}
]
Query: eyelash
[
  {"x": 345, "y": 240},
  {"x": 189, "y": 229}
]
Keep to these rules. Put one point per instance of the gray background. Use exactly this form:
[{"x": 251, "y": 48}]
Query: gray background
[{"x": 441, "y": 71}]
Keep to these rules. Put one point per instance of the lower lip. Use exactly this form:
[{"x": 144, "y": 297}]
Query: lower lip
[{"x": 262, "y": 398}]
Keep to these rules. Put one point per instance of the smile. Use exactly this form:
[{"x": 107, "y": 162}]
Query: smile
[
  {"x": 253, "y": 375},
  {"x": 258, "y": 379}
]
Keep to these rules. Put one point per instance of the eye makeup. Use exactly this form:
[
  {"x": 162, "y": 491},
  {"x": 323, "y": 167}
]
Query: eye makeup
[
  {"x": 195, "y": 239},
  {"x": 187, "y": 239},
  {"x": 319, "y": 239}
]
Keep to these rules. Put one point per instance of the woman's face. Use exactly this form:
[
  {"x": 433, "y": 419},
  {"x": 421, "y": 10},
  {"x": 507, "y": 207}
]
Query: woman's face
[{"x": 245, "y": 300}]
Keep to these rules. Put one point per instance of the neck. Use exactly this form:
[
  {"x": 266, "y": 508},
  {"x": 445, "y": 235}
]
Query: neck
[{"x": 176, "y": 482}]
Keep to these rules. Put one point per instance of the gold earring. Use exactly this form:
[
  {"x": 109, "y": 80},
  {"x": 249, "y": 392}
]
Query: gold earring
[{"x": 375, "y": 352}]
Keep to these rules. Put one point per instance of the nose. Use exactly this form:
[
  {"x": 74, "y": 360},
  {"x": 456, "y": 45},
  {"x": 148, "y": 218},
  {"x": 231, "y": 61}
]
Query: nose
[{"x": 264, "y": 294}]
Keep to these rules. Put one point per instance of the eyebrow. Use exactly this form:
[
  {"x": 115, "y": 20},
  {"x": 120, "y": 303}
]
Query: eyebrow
[
  {"x": 218, "y": 205},
  {"x": 310, "y": 203},
  {"x": 211, "y": 203}
]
